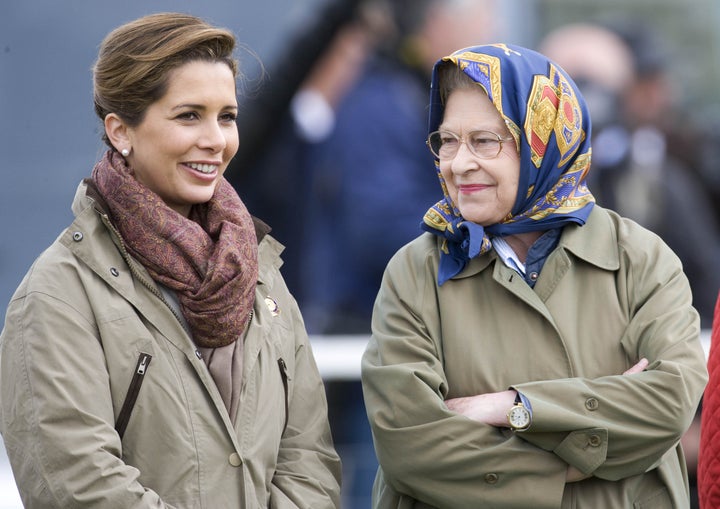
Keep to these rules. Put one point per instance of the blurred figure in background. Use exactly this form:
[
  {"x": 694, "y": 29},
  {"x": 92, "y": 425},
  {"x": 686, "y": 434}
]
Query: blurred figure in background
[
  {"x": 368, "y": 176},
  {"x": 637, "y": 168}
]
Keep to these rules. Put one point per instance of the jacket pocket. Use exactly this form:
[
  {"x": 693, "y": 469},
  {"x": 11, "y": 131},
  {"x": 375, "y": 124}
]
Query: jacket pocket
[
  {"x": 285, "y": 380},
  {"x": 133, "y": 390}
]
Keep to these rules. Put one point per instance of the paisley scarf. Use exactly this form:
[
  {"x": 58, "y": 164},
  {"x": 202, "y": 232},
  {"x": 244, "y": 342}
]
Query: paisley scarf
[
  {"x": 209, "y": 259},
  {"x": 549, "y": 120}
]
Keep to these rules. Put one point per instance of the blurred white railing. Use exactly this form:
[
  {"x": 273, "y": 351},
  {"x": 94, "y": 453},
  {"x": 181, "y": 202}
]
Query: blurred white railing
[{"x": 338, "y": 357}]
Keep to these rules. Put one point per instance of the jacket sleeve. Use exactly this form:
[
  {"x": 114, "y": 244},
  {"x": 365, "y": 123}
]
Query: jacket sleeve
[
  {"x": 426, "y": 451},
  {"x": 621, "y": 425},
  {"x": 308, "y": 469},
  {"x": 56, "y": 410}
]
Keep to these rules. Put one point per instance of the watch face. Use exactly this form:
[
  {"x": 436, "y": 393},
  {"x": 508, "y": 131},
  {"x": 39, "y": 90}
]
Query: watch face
[{"x": 519, "y": 417}]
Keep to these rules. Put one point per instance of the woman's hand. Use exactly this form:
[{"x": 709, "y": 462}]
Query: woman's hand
[
  {"x": 490, "y": 408},
  {"x": 638, "y": 368}
]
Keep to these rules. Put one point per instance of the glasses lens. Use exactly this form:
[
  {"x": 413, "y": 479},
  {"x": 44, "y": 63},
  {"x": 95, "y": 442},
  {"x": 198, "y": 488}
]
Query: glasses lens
[
  {"x": 443, "y": 144},
  {"x": 484, "y": 144}
]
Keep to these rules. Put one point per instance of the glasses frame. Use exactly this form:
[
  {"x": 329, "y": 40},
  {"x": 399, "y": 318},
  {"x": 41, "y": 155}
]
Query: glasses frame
[{"x": 462, "y": 139}]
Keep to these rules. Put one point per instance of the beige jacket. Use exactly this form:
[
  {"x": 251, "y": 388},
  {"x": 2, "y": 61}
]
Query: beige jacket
[
  {"x": 610, "y": 294},
  {"x": 76, "y": 333}
]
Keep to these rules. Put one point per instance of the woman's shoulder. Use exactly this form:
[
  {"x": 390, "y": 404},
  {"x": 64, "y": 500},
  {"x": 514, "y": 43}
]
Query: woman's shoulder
[
  {"x": 416, "y": 262},
  {"x": 420, "y": 250},
  {"x": 631, "y": 235},
  {"x": 626, "y": 237}
]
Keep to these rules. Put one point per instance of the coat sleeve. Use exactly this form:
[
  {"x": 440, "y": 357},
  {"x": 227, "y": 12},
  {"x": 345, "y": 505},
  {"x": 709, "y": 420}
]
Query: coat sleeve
[
  {"x": 308, "y": 469},
  {"x": 426, "y": 451},
  {"x": 618, "y": 425},
  {"x": 56, "y": 411}
]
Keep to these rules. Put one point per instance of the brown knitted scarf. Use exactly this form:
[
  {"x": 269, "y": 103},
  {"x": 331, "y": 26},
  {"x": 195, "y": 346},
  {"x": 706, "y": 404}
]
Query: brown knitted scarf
[{"x": 209, "y": 259}]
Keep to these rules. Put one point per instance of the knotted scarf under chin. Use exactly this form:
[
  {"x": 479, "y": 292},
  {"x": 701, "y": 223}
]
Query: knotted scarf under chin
[
  {"x": 209, "y": 259},
  {"x": 463, "y": 240}
]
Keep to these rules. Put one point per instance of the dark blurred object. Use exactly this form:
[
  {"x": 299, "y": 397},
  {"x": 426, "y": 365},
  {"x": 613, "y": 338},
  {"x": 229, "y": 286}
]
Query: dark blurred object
[{"x": 260, "y": 111}]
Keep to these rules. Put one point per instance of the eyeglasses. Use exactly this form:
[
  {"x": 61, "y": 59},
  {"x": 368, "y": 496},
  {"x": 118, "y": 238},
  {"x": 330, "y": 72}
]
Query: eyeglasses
[{"x": 483, "y": 144}]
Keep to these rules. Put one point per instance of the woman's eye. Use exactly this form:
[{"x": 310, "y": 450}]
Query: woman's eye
[
  {"x": 228, "y": 117},
  {"x": 188, "y": 115},
  {"x": 482, "y": 140}
]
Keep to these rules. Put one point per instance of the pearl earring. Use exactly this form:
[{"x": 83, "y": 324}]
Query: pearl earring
[{"x": 125, "y": 152}]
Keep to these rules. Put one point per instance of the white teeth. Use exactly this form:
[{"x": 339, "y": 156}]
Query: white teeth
[{"x": 204, "y": 168}]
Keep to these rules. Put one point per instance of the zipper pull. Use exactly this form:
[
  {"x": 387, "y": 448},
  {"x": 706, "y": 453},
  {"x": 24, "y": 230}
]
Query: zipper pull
[{"x": 142, "y": 365}]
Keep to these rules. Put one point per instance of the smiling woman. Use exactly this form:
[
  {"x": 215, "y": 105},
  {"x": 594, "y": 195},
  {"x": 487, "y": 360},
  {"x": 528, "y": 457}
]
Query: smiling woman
[
  {"x": 165, "y": 362},
  {"x": 186, "y": 139},
  {"x": 514, "y": 341}
]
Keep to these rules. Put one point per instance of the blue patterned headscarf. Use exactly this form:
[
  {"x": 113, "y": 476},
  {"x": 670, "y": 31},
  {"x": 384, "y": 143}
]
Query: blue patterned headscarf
[{"x": 549, "y": 120}]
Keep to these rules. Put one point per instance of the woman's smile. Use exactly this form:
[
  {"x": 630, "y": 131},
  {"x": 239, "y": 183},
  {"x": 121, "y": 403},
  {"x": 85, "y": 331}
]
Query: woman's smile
[{"x": 472, "y": 188}]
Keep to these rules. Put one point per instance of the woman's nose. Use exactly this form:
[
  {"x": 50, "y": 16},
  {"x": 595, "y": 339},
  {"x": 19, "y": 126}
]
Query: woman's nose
[
  {"x": 213, "y": 137},
  {"x": 464, "y": 160}
]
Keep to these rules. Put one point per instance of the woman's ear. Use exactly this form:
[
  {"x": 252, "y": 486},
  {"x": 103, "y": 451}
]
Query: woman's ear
[{"x": 117, "y": 132}]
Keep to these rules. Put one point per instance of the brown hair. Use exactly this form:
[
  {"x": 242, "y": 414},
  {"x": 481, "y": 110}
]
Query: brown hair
[
  {"x": 135, "y": 60},
  {"x": 451, "y": 78}
]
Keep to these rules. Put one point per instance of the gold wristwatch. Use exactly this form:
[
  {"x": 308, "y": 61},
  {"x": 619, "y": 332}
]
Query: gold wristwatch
[{"x": 519, "y": 417}]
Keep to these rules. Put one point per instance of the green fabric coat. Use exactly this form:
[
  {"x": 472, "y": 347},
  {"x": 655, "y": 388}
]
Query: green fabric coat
[
  {"x": 73, "y": 334},
  {"x": 609, "y": 294}
]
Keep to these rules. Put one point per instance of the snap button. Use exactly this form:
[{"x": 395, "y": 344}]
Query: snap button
[
  {"x": 594, "y": 441},
  {"x": 491, "y": 478},
  {"x": 77, "y": 236},
  {"x": 235, "y": 460},
  {"x": 114, "y": 271},
  {"x": 592, "y": 404},
  {"x": 534, "y": 276},
  {"x": 198, "y": 354}
]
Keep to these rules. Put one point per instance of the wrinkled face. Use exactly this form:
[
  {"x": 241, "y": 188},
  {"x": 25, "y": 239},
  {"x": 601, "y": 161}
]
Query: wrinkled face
[
  {"x": 484, "y": 190},
  {"x": 187, "y": 138}
]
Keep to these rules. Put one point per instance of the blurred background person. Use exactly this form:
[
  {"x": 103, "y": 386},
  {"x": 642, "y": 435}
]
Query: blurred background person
[{"x": 639, "y": 166}]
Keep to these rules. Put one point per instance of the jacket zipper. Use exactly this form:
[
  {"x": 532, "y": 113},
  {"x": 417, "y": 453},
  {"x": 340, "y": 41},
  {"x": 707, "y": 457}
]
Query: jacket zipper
[
  {"x": 141, "y": 367},
  {"x": 284, "y": 376}
]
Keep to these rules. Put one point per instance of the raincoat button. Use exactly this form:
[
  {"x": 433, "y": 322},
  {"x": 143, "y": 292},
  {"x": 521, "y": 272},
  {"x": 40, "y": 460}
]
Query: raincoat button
[
  {"x": 114, "y": 271},
  {"x": 594, "y": 441},
  {"x": 198, "y": 354},
  {"x": 491, "y": 478},
  {"x": 592, "y": 404},
  {"x": 235, "y": 460},
  {"x": 77, "y": 236}
]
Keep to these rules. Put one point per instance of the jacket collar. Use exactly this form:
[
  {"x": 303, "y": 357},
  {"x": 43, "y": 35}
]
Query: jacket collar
[{"x": 595, "y": 243}]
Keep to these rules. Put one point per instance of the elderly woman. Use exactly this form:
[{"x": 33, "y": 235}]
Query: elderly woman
[
  {"x": 531, "y": 349},
  {"x": 153, "y": 356}
]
